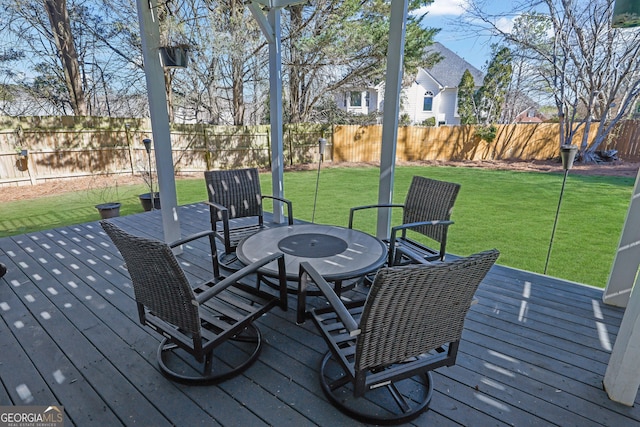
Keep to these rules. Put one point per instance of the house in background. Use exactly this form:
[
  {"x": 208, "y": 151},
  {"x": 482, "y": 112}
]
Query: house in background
[
  {"x": 361, "y": 100},
  {"x": 432, "y": 95},
  {"x": 530, "y": 115}
]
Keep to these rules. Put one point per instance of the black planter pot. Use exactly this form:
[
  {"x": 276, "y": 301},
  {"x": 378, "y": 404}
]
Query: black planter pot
[
  {"x": 109, "y": 210},
  {"x": 145, "y": 200}
]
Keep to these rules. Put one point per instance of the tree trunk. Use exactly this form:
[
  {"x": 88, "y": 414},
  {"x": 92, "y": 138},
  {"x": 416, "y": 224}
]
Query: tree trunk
[
  {"x": 168, "y": 78},
  {"x": 61, "y": 29},
  {"x": 237, "y": 65},
  {"x": 295, "y": 78}
]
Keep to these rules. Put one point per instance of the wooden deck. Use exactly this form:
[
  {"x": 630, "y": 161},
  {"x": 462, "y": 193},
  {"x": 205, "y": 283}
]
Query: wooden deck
[{"x": 534, "y": 350}]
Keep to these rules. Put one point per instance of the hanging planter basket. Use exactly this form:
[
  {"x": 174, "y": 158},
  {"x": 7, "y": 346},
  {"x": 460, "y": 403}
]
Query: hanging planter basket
[{"x": 174, "y": 56}]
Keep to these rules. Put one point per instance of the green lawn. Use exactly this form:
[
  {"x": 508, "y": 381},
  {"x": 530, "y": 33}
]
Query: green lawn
[{"x": 511, "y": 211}]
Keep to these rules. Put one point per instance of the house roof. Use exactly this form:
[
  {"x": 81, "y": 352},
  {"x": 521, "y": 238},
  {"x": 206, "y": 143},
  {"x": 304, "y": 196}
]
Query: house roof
[{"x": 448, "y": 72}]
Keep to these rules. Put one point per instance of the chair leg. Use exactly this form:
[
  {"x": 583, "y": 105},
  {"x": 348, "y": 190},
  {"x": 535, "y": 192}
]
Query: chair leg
[
  {"x": 395, "y": 403},
  {"x": 177, "y": 365}
]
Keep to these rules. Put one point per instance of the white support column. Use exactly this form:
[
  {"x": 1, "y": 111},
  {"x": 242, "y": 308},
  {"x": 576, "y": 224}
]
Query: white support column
[
  {"x": 275, "y": 113},
  {"x": 393, "y": 86},
  {"x": 622, "y": 378},
  {"x": 150, "y": 37},
  {"x": 270, "y": 26},
  {"x": 627, "y": 258}
]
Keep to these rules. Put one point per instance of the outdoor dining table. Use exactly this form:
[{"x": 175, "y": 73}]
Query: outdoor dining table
[{"x": 337, "y": 253}]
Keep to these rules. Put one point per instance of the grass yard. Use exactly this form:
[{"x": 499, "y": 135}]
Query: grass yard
[{"x": 508, "y": 210}]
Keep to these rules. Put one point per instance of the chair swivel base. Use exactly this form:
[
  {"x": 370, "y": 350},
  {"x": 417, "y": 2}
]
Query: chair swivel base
[
  {"x": 235, "y": 356},
  {"x": 395, "y": 403}
]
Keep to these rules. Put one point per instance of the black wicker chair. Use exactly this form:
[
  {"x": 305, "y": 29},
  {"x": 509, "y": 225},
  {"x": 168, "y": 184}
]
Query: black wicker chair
[
  {"x": 195, "y": 322},
  {"x": 383, "y": 349},
  {"x": 235, "y": 195},
  {"x": 427, "y": 211}
]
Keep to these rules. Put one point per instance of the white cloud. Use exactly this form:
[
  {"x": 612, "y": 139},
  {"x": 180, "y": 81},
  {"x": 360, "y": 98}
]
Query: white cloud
[
  {"x": 447, "y": 7},
  {"x": 505, "y": 24}
]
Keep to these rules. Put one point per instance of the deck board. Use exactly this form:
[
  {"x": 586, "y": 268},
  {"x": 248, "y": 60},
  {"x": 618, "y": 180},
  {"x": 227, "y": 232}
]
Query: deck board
[{"x": 534, "y": 348}]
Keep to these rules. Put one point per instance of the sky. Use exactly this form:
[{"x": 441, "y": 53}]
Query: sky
[{"x": 475, "y": 48}]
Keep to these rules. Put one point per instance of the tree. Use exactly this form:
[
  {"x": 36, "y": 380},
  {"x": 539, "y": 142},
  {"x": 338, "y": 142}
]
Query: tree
[
  {"x": 590, "y": 71},
  {"x": 63, "y": 38},
  {"x": 75, "y": 53},
  {"x": 489, "y": 99},
  {"x": 466, "y": 102},
  {"x": 526, "y": 87},
  {"x": 333, "y": 44}
]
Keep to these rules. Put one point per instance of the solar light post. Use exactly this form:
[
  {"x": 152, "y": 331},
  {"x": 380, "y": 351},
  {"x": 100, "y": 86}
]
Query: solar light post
[
  {"x": 322, "y": 145},
  {"x": 568, "y": 154}
]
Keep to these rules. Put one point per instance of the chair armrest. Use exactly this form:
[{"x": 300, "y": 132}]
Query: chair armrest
[
  {"x": 216, "y": 205},
  {"x": 225, "y": 221},
  {"x": 414, "y": 256},
  {"x": 243, "y": 272},
  {"x": 287, "y": 202},
  {"x": 191, "y": 238},
  {"x": 357, "y": 208},
  {"x": 308, "y": 272},
  {"x": 403, "y": 228}
]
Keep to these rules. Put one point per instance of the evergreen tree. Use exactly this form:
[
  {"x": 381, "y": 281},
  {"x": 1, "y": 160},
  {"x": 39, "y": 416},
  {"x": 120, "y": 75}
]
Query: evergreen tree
[
  {"x": 466, "y": 102},
  {"x": 491, "y": 96}
]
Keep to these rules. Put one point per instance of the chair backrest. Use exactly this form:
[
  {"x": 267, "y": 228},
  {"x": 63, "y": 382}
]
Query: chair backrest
[
  {"x": 414, "y": 309},
  {"x": 429, "y": 200},
  {"x": 238, "y": 190},
  {"x": 159, "y": 283}
]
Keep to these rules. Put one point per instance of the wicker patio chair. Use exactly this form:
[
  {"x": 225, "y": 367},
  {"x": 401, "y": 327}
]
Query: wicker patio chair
[
  {"x": 235, "y": 195},
  {"x": 382, "y": 350},
  {"x": 427, "y": 211},
  {"x": 196, "y": 321}
]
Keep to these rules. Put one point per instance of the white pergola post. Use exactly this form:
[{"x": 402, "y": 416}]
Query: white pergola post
[
  {"x": 270, "y": 26},
  {"x": 275, "y": 114},
  {"x": 627, "y": 258},
  {"x": 150, "y": 37},
  {"x": 393, "y": 86},
  {"x": 622, "y": 378}
]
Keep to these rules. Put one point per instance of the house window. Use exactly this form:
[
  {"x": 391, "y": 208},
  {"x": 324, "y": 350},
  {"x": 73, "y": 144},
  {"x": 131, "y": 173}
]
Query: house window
[
  {"x": 356, "y": 99},
  {"x": 366, "y": 98},
  {"x": 427, "y": 104}
]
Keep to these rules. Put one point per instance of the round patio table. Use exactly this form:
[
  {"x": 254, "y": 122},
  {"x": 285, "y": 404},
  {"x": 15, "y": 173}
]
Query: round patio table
[{"x": 337, "y": 253}]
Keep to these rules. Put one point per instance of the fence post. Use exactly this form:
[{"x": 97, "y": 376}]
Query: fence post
[{"x": 128, "y": 138}]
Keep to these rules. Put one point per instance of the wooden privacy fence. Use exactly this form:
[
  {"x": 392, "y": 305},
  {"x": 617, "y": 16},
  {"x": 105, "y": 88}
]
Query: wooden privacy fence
[
  {"x": 63, "y": 147},
  {"x": 520, "y": 141}
]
